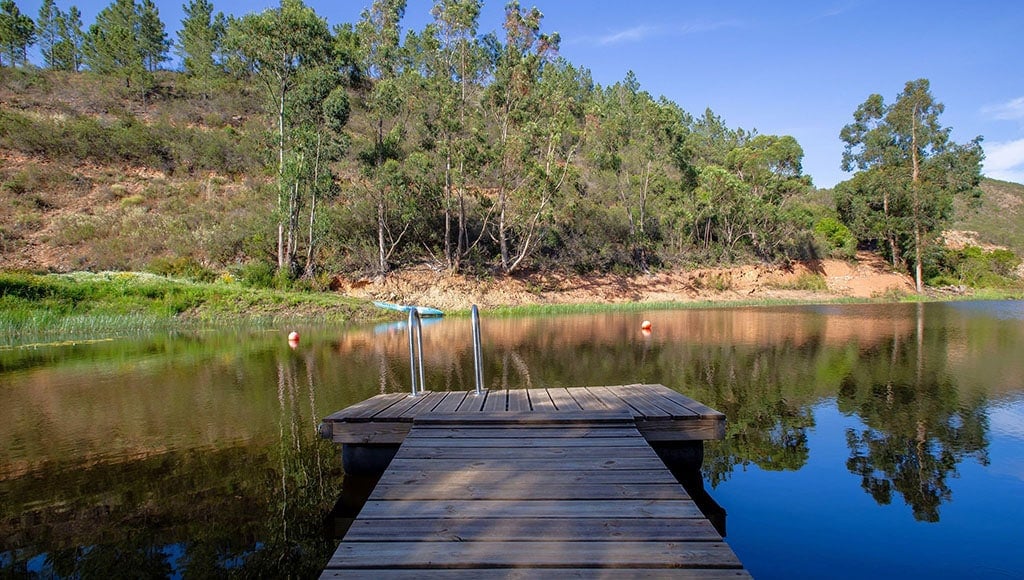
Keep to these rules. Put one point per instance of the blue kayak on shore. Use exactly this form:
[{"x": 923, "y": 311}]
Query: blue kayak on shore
[{"x": 422, "y": 310}]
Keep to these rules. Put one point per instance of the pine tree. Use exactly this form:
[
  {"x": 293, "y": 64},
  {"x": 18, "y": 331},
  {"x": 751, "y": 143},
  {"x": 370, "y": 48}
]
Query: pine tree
[
  {"x": 153, "y": 41},
  {"x": 48, "y": 31},
  {"x": 67, "y": 52},
  {"x": 199, "y": 42},
  {"x": 112, "y": 46},
  {"x": 17, "y": 33}
]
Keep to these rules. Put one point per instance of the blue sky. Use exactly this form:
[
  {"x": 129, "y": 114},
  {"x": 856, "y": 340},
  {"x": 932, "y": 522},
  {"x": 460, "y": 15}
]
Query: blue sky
[{"x": 786, "y": 68}]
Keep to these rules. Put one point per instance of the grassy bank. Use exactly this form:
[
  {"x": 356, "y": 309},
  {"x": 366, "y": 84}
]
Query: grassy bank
[{"x": 86, "y": 306}]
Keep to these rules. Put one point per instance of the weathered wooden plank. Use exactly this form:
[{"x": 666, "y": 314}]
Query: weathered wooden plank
[
  {"x": 651, "y": 395},
  {"x": 519, "y": 442},
  {"x": 519, "y": 508},
  {"x": 637, "y": 400},
  {"x": 379, "y": 432},
  {"x": 527, "y": 529},
  {"x": 590, "y": 463},
  {"x": 661, "y": 430},
  {"x": 503, "y": 490},
  {"x": 566, "y": 453},
  {"x": 696, "y": 406},
  {"x": 518, "y": 400},
  {"x": 587, "y": 400},
  {"x": 504, "y": 418},
  {"x": 522, "y": 573},
  {"x": 451, "y": 402},
  {"x": 434, "y": 433},
  {"x": 403, "y": 410},
  {"x": 540, "y": 400},
  {"x": 364, "y": 410},
  {"x": 561, "y": 554},
  {"x": 497, "y": 400},
  {"x": 563, "y": 400},
  {"x": 525, "y": 480},
  {"x": 608, "y": 398},
  {"x": 472, "y": 403}
]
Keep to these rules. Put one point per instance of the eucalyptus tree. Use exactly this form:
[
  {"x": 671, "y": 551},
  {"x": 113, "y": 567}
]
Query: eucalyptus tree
[
  {"x": 512, "y": 108},
  {"x": 917, "y": 168},
  {"x": 276, "y": 47},
  {"x": 319, "y": 107},
  {"x": 381, "y": 53},
  {"x": 17, "y": 33},
  {"x": 771, "y": 166},
  {"x": 638, "y": 138}
]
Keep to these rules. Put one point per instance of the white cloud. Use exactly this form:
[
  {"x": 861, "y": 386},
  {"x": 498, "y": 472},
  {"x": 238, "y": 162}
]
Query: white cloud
[
  {"x": 1008, "y": 111},
  {"x": 642, "y": 32},
  {"x": 1005, "y": 160},
  {"x": 635, "y": 34}
]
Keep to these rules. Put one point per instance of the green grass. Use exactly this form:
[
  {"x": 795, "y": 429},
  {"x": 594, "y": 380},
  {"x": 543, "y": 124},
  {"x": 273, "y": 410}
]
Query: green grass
[{"x": 44, "y": 308}]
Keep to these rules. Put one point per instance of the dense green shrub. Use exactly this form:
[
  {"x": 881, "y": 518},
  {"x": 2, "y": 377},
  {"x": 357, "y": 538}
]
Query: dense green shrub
[
  {"x": 181, "y": 267},
  {"x": 256, "y": 274},
  {"x": 970, "y": 266},
  {"x": 835, "y": 239}
]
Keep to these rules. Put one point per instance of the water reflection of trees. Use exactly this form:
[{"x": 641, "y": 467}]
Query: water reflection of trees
[
  {"x": 917, "y": 427},
  {"x": 756, "y": 388},
  {"x": 254, "y": 510}
]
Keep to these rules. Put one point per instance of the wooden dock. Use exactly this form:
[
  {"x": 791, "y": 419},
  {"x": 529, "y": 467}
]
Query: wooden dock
[
  {"x": 551, "y": 483},
  {"x": 661, "y": 414}
]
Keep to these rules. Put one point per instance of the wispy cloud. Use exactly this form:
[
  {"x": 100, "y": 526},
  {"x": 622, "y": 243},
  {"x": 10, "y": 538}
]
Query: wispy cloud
[
  {"x": 634, "y": 34},
  {"x": 1005, "y": 160},
  {"x": 642, "y": 32},
  {"x": 1009, "y": 111},
  {"x": 836, "y": 10}
]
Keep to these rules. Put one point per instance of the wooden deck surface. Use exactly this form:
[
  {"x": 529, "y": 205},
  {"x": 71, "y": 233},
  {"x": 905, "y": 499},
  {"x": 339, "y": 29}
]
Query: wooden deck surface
[
  {"x": 660, "y": 413},
  {"x": 530, "y": 495}
]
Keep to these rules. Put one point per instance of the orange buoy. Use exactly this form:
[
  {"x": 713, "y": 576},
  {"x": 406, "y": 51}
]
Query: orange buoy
[
  {"x": 293, "y": 339},
  {"x": 645, "y": 325}
]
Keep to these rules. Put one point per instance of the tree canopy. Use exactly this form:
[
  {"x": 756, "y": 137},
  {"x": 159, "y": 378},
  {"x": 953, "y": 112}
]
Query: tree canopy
[{"x": 909, "y": 171}]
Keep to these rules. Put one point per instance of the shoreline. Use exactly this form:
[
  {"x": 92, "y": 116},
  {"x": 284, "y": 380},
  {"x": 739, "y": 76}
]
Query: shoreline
[{"x": 54, "y": 308}]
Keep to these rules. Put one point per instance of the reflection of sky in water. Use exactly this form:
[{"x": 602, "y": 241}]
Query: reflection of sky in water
[
  {"x": 1003, "y": 309},
  {"x": 843, "y": 533},
  {"x": 1007, "y": 418},
  {"x": 1006, "y": 427}
]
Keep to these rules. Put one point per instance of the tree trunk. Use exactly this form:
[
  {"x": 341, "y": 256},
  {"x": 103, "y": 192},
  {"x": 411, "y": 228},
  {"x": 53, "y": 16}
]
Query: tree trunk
[
  {"x": 382, "y": 263},
  {"x": 916, "y": 190},
  {"x": 312, "y": 207},
  {"x": 280, "y": 180}
]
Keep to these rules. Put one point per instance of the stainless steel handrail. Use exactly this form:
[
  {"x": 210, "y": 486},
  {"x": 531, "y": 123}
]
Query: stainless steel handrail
[
  {"x": 478, "y": 357},
  {"x": 416, "y": 350}
]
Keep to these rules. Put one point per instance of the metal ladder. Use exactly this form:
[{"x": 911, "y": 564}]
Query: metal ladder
[{"x": 416, "y": 352}]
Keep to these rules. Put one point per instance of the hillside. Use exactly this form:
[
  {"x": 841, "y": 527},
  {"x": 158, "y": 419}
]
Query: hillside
[
  {"x": 179, "y": 184},
  {"x": 997, "y": 218}
]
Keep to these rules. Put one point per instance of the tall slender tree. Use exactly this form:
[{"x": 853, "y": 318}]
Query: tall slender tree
[
  {"x": 512, "y": 107},
  {"x": 276, "y": 46},
  {"x": 48, "y": 31},
  {"x": 379, "y": 33},
  {"x": 200, "y": 39},
  {"x": 153, "y": 41},
  {"x": 17, "y": 33},
  {"x": 67, "y": 53},
  {"x": 455, "y": 75},
  {"x": 921, "y": 169}
]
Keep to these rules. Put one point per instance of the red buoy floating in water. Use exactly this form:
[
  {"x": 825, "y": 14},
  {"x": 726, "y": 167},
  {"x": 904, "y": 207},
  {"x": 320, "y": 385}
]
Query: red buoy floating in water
[
  {"x": 293, "y": 339},
  {"x": 645, "y": 325}
]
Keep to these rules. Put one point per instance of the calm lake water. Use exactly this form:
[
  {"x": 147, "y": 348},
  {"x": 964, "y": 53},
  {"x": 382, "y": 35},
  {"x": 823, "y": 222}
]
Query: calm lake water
[{"x": 863, "y": 440}]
